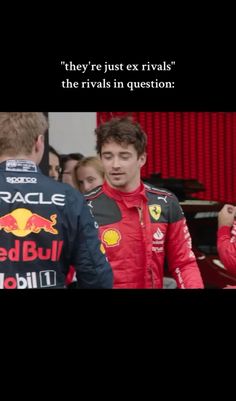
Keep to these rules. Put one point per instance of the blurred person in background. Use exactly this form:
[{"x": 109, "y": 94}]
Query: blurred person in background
[
  {"x": 89, "y": 173},
  {"x": 226, "y": 237},
  {"x": 68, "y": 163},
  {"x": 54, "y": 164}
]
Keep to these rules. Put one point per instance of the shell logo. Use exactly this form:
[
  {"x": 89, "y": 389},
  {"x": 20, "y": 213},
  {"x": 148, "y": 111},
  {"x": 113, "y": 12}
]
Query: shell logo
[{"x": 111, "y": 237}]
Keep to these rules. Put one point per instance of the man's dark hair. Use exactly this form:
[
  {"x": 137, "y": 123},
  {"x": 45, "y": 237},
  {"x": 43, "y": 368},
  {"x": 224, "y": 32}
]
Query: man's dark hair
[
  {"x": 52, "y": 150},
  {"x": 123, "y": 131},
  {"x": 70, "y": 156}
]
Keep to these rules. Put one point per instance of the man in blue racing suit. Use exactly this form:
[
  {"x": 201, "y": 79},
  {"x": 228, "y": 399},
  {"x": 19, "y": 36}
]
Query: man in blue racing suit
[{"x": 45, "y": 226}]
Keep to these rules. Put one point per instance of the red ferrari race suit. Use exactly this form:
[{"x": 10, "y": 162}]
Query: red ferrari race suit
[
  {"x": 138, "y": 230},
  {"x": 226, "y": 246}
]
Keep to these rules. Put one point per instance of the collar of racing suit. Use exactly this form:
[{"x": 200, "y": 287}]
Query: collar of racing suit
[
  {"x": 19, "y": 165},
  {"x": 135, "y": 198}
]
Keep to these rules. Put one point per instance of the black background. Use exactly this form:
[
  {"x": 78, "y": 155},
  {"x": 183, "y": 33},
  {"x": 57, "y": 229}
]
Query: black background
[{"x": 204, "y": 82}]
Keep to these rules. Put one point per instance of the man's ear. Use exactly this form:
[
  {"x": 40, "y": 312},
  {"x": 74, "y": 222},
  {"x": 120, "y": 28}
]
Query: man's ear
[
  {"x": 39, "y": 144},
  {"x": 143, "y": 159},
  {"x": 39, "y": 148}
]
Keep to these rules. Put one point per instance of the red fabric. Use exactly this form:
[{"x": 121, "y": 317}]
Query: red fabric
[
  {"x": 70, "y": 275},
  {"x": 190, "y": 145},
  {"x": 230, "y": 287},
  {"x": 136, "y": 248},
  {"x": 226, "y": 246}
]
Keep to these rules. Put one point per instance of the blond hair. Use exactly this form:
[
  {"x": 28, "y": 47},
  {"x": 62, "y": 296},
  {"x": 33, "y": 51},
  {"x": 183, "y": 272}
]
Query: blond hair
[
  {"x": 19, "y": 131},
  {"x": 92, "y": 161}
]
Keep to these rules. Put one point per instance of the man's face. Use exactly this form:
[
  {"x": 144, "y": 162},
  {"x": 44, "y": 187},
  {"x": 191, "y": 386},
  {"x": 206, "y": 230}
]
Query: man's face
[{"x": 122, "y": 165}]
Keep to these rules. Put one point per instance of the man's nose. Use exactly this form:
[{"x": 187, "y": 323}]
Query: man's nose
[{"x": 116, "y": 163}]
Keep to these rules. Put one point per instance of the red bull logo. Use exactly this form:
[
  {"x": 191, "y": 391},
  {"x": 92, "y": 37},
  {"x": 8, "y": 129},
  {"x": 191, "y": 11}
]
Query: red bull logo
[
  {"x": 36, "y": 223},
  {"x": 8, "y": 223},
  {"x": 29, "y": 251},
  {"x": 22, "y": 222}
]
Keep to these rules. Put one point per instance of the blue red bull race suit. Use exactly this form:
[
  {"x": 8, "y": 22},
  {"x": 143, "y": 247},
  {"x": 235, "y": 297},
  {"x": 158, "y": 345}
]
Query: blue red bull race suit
[{"x": 46, "y": 226}]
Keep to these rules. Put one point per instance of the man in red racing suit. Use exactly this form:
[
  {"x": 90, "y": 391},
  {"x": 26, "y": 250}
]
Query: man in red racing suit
[
  {"x": 139, "y": 225},
  {"x": 226, "y": 237}
]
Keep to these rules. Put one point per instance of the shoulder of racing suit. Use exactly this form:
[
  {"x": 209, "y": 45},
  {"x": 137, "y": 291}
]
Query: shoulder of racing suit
[
  {"x": 157, "y": 191},
  {"x": 104, "y": 209},
  {"x": 166, "y": 204}
]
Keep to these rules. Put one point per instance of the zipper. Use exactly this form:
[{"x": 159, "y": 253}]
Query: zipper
[
  {"x": 152, "y": 277},
  {"x": 140, "y": 212}
]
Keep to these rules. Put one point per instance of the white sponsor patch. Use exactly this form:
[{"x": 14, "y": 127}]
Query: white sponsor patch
[
  {"x": 158, "y": 249},
  {"x": 163, "y": 197},
  {"x": 21, "y": 180},
  {"x": 21, "y": 165},
  {"x": 158, "y": 234},
  {"x": 44, "y": 279},
  {"x": 33, "y": 198}
]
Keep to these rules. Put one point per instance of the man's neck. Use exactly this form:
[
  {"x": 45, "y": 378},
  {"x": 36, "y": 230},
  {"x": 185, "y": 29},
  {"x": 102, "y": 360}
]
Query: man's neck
[{"x": 125, "y": 189}]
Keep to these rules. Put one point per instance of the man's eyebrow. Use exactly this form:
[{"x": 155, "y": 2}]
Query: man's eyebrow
[{"x": 125, "y": 152}]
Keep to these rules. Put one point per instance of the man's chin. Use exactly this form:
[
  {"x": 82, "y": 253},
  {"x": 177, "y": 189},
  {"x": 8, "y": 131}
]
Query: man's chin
[{"x": 116, "y": 184}]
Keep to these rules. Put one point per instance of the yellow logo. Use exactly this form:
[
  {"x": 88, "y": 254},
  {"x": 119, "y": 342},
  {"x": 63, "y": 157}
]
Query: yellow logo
[
  {"x": 21, "y": 222},
  {"x": 102, "y": 249},
  {"x": 111, "y": 237},
  {"x": 155, "y": 211}
]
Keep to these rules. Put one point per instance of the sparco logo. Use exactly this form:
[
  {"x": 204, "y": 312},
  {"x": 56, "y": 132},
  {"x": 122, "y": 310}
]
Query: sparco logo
[
  {"x": 21, "y": 180},
  {"x": 43, "y": 279},
  {"x": 33, "y": 198}
]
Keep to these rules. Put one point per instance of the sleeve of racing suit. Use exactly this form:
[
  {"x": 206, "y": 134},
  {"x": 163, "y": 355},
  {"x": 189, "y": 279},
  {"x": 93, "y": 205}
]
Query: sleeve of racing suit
[
  {"x": 181, "y": 259},
  {"x": 89, "y": 259},
  {"x": 226, "y": 248}
]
